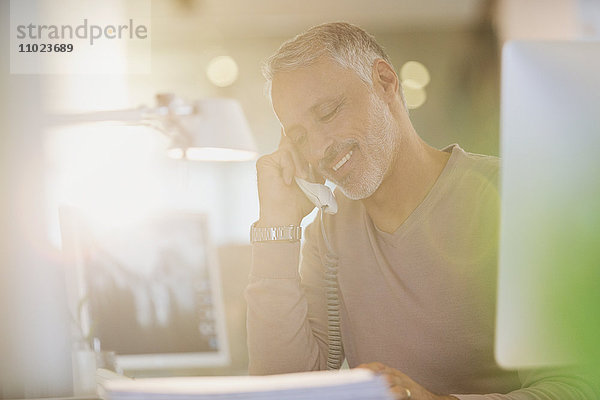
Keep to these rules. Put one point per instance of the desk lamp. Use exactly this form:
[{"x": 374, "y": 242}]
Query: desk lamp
[{"x": 211, "y": 129}]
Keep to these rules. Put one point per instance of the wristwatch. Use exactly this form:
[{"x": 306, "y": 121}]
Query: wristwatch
[{"x": 289, "y": 233}]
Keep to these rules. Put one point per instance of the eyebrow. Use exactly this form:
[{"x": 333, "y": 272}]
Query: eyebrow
[{"x": 316, "y": 108}]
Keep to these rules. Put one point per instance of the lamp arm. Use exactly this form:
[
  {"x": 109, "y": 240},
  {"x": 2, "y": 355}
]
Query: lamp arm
[
  {"x": 127, "y": 115},
  {"x": 130, "y": 115}
]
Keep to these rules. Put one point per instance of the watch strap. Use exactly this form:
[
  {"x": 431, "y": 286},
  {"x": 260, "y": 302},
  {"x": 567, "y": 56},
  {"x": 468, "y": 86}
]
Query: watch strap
[{"x": 289, "y": 233}]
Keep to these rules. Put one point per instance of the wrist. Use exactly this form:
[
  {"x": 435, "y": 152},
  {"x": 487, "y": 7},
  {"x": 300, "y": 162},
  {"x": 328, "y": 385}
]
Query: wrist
[{"x": 272, "y": 220}]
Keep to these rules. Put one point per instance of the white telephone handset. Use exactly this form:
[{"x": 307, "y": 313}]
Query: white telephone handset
[{"x": 322, "y": 197}]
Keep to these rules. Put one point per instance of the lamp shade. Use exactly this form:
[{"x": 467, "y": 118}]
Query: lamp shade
[{"x": 217, "y": 130}]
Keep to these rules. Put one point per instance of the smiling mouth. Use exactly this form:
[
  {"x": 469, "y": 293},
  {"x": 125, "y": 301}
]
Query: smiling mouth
[{"x": 343, "y": 161}]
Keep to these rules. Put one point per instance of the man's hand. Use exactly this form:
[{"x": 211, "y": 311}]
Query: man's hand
[
  {"x": 281, "y": 200},
  {"x": 401, "y": 385}
]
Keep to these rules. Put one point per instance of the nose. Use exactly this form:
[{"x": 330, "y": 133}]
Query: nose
[{"x": 319, "y": 141}]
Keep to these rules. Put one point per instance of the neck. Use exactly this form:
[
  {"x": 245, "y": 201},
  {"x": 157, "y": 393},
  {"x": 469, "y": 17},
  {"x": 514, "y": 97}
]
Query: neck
[{"x": 410, "y": 178}]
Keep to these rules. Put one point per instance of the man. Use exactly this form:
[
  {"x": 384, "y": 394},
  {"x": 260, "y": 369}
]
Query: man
[{"x": 416, "y": 234}]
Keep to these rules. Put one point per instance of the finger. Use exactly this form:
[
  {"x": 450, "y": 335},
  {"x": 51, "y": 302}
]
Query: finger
[
  {"x": 373, "y": 366},
  {"x": 401, "y": 393},
  {"x": 301, "y": 164},
  {"x": 388, "y": 378},
  {"x": 396, "y": 386},
  {"x": 288, "y": 167},
  {"x": 399, "y": 379}
]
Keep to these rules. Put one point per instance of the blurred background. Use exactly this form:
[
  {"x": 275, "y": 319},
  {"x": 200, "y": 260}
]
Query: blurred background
[
  {"x": 447, "y": 53},
  {"x": 206, "y": 48}
]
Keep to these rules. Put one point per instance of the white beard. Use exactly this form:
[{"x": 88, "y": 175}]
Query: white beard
[{"x": 378, "y": 149}]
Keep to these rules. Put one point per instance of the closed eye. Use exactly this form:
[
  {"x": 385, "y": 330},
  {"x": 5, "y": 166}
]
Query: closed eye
[{"x": 329, "y": 116}]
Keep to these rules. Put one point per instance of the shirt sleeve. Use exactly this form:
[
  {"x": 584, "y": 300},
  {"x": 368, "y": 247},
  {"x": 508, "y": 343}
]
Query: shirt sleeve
[
  {"x": 286, "y": 314},
  {"x": 581, "y": 383}
]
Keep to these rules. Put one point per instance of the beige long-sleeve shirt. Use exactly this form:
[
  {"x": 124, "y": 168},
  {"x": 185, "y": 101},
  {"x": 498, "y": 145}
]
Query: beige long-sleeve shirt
[{"x": 421, "y": 299}]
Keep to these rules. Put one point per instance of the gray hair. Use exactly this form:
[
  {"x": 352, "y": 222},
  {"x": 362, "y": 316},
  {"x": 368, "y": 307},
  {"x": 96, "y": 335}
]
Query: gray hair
[{"x": 348, "y": 45}]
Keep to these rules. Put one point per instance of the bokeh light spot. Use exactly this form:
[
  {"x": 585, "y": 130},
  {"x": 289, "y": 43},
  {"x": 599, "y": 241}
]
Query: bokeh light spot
[
  {"x": 222, "y": 71},
  {"x": 415, "y": 73}
]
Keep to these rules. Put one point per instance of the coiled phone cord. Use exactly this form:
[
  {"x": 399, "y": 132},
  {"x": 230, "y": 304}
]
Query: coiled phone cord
[{"x": 334, "y": 336}]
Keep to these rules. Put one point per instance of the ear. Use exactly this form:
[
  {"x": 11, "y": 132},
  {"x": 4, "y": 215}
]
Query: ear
[{"x": 385, "y": 80}]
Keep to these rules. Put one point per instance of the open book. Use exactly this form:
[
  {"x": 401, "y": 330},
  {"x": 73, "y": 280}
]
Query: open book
[{"x": 331, "y": 385}]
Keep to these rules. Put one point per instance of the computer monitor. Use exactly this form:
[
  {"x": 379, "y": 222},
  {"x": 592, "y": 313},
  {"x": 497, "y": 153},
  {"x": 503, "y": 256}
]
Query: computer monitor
[
  {"x": 548, "y": 309},
  {"x": 149, "y": 290}
]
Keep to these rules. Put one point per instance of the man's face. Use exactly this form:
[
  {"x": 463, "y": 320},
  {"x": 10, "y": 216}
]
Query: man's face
[{"x": 338, "y": 124}]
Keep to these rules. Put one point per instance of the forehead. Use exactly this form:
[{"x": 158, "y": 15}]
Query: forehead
[{"x": 295, "y": 93}]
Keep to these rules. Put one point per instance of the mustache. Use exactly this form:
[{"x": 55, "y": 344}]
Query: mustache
[{"x": 334, "y": 152}]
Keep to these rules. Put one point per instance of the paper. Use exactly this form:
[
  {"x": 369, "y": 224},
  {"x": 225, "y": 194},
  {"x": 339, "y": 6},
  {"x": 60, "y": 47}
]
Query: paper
[{"x": 346, "y": 384}]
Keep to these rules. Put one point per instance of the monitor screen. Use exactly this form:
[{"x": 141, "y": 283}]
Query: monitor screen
[
  {"x": 148, "y": 290},
  {"x": 549, "y": 259}
]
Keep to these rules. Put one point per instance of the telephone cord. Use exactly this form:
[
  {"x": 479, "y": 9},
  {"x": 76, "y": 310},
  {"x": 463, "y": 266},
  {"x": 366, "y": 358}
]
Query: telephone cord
[{"x": 334, "y": 337}]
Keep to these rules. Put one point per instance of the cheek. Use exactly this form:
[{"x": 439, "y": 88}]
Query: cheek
[{"x": 347, "y": 127}]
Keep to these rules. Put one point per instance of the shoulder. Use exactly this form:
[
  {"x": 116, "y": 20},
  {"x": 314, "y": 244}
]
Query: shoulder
[{"x": 474, "y": 169}]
